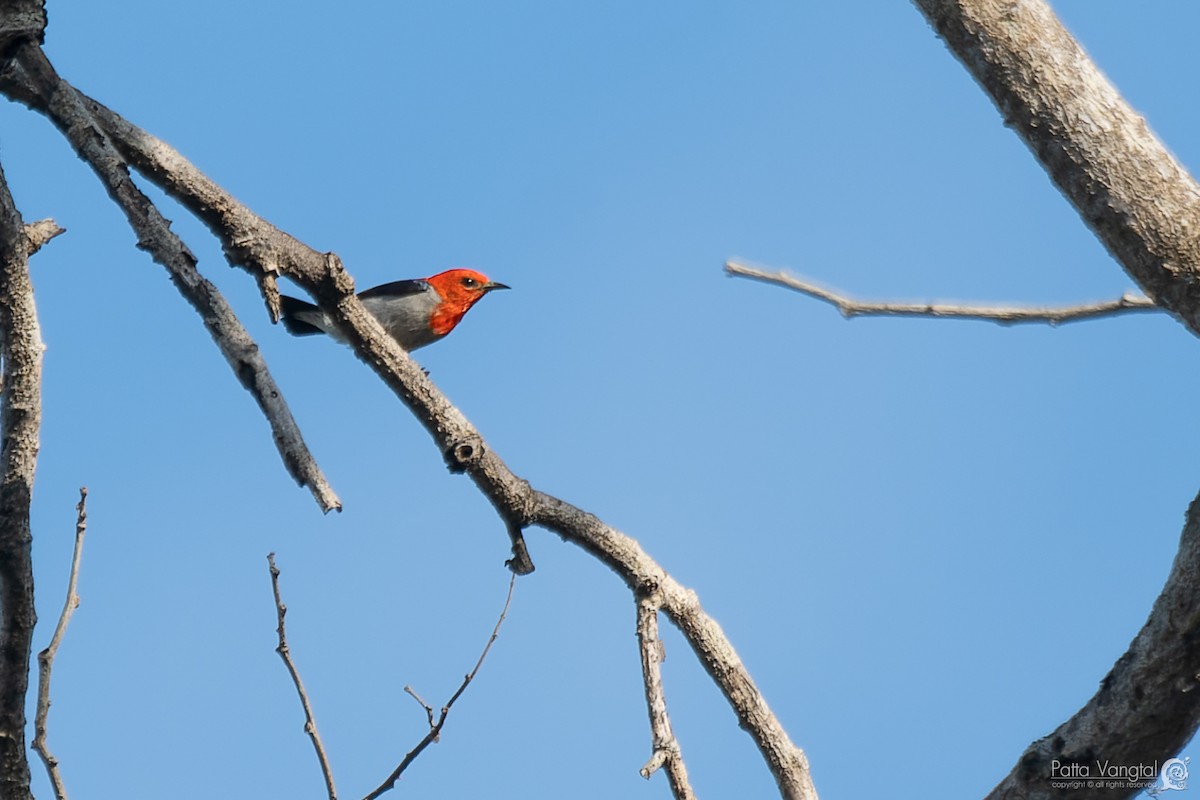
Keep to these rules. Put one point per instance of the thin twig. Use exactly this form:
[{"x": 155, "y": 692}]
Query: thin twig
[
  {"x": 428, "y": 708},
  {"x": 665, "y": 747},
  {"x": 1003, "y": 315},
  {"x": 46, "y": 657},
  {"x": 310, "y": 722},
  {"x": 435, "y": 729}
]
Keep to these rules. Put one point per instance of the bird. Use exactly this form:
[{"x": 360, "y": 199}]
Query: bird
[{"x": 415, "y": 312}]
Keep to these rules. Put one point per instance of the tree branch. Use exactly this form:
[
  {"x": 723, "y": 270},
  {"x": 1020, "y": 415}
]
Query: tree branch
[
  {"x": 1004, "y": 315},
  {"x": 435, "y": 726},
  {"x": 249, "y": 239},
  {"x": 665, "y": 748},
  {"x": 1147, "y": 707},
  {"x": 644, "y": 576},
  {"x": 285, "y": 653},
  {"x": 1145, "y": 208},
  {"x": 31, "y": 79},
  {"x": 46, "y": 657},
  {"x": 258, "y": 246},
  {"x": 1127, "y": 187},
  {"x": 20, "y": 423}
]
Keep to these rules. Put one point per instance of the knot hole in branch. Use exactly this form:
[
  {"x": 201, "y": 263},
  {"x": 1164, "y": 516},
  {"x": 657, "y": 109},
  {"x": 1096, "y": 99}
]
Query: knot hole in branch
[{"x": 464, "y": 453}]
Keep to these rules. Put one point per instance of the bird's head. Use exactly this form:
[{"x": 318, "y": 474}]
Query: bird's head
[{"x": 459, "y": 289}]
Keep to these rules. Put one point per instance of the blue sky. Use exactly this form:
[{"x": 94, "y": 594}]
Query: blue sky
[{"x": 911, "y": 530}]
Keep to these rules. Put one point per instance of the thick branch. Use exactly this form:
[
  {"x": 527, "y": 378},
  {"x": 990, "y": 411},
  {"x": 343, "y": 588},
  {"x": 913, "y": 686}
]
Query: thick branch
[
  {"x": 1004, "y": 315},
  {"x": 285, "y": 653},
  {"x": 46, "y": 657},
  {"x": 1146, "y": 209},
  {"x": 1139, "y": 201},
  {"x": 665, "y": 750},
  {"x": 20, "y": 422},
  {"x": 1147, "y": 707},
  {"x": 32, "y": 79}
]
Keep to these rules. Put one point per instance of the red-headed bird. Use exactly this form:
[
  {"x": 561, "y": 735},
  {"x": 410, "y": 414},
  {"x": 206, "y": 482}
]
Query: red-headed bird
[{"x": 414, "y": 312}]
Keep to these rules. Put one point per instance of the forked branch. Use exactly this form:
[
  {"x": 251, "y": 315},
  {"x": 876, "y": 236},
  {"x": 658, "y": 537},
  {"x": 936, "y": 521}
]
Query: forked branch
[
  {"x": 256, "y": 245},
  {"x": 30, "y": 78},
  {"x": 436, "y": 724},
  {"x": 665, "y": 751}
]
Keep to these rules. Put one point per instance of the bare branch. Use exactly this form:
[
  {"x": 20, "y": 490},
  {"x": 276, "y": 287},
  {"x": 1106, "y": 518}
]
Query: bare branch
[
  {"x": 310, "y": 721},
  {"x": 644, "y": 576},
  {"x": 46, "y": 657},
  {"x": 435, "y": 727},
  {"x": 411, "y": 692},
  {"x": 250, "y": 238},
  {"x": 1004, "y": 315},
  {"x": 36, "y": 83},
  {"x": 20, "y": 423},
  {"x": 665, "y": 748},
  {"x": 255, "y": 244}
]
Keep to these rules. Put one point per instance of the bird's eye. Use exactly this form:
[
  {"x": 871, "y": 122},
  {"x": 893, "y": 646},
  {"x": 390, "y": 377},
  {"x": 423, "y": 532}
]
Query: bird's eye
[{"x": 470, "y": 283}]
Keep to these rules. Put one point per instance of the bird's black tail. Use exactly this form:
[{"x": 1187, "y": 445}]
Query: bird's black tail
[{"x": 292, "y": 312}]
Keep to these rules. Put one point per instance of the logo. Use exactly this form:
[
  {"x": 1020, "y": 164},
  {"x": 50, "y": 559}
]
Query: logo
[
  {"x": 1107, "y": 774},
  {"x": 1174, "y": 777}
]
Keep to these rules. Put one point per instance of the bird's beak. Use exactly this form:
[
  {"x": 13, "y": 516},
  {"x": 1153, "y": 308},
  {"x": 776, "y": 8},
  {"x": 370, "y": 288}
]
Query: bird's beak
[{"x": 491, "y": 286}]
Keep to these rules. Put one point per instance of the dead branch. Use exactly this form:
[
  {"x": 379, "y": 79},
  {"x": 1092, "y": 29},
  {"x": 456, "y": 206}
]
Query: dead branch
[
  {"x": 624, "y": 555},
  {"x": 253, "y": 241},
  {"x": 310, "y": 721},
  {"x": 46, "y": 657},
  {"x": 256, "y": 245},
  {"x": 30, "y": 75},
  {"x": 665, "y": 749},
  {"x": 435, "y": 726},
  {"x": 20, "y": 423},
  {"x": 1003, "y": 315}
]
